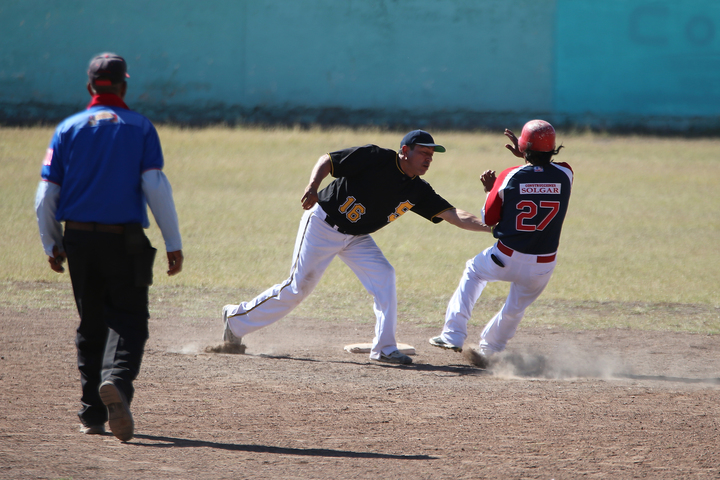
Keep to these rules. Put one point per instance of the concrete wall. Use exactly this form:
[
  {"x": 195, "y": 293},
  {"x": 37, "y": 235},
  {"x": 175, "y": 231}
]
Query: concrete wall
[
  {"x": 638, "y": 62},
  {"x": 451, "y": 63}
]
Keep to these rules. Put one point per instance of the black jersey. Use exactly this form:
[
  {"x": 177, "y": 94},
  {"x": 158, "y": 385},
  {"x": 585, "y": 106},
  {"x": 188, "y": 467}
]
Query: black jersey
[
  {"x": 370, "y": 191},
  {"x": 527, "y": 205}
]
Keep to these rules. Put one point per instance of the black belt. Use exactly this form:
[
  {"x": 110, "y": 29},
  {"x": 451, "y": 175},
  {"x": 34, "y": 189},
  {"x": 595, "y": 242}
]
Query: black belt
[
  {"x": 334, "y": 225},
  {"x": 94, "y": 227}
]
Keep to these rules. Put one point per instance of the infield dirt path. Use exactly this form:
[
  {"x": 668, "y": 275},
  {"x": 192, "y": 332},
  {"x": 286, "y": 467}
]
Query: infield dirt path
[{"x": 562, "y": 405}]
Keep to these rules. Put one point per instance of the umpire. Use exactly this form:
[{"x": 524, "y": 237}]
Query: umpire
[{"x": 103, "y": 166}]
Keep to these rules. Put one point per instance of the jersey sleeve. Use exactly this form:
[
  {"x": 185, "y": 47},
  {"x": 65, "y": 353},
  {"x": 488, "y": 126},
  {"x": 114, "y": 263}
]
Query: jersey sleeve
[
  {"x": 51, "y": 232},
  {"x": 152, "y": 151},
  {"x": 158, "y": 192},
  {"x": 567, "y": 169},
  {"x": 431, "y": 204},
  {"x": 492, "y": 211},
  {"x": 52, "y": 170}
]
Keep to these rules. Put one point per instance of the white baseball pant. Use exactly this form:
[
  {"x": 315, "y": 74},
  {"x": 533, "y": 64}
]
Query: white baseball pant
[
  {"x": 528, "y": 280},
  {"x": 317, "y": 243}
]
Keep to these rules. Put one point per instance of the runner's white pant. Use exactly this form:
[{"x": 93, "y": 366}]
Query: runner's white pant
[
  {"x": 528, "y": 280},
  {"x": 317, "y": 243}
]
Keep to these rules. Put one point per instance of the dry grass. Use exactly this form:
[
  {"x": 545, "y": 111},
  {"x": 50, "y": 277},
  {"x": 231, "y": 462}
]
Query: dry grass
[{"x": 641, "y": 233}]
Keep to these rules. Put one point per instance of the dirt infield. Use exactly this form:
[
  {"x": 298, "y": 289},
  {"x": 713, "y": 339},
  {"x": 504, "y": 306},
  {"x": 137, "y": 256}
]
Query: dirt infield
[{"x": 562, "y": 405}]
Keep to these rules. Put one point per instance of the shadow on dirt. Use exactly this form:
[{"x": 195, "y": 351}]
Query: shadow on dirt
[
  {"x": 169, "y": 442},
  {"x": 421, "y": 367},
  {"x": 523, "y": 365},
  {"x": 663, "y": 378}
]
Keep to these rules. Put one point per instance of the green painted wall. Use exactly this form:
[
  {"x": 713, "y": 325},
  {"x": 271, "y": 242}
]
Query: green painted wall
[
  {"x": 655, "y": 63},
  {"x": 454, "y": 63}
]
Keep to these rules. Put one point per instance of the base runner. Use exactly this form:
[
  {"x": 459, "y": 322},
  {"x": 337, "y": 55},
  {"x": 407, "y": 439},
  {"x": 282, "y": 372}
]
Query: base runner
[{"x": 526, "y": 205}]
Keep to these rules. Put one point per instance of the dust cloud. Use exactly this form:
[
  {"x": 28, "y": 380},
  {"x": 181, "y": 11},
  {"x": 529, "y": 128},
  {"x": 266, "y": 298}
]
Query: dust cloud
[{"x": 567, "y": 362}]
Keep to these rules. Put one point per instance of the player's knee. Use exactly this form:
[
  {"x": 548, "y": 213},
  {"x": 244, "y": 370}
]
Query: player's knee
[
  {"x": 513, "y": 316},
  {"x": 305, "y": 285},
  {"x": 299, "y": 293}
]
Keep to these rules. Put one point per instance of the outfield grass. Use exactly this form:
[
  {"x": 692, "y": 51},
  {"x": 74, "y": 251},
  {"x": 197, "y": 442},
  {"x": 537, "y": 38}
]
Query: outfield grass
[{"x": 641, "y": 233}]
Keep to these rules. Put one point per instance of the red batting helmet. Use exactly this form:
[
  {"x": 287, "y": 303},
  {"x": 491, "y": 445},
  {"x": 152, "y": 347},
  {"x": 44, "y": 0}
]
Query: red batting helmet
[{"x": 538, "y": 136}]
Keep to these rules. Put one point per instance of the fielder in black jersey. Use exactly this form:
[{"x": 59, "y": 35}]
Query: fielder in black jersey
[
  {"x": 527, "y": 206},
  {"x": 373, "y": 187},
  {"x": 372, "y": 190}
]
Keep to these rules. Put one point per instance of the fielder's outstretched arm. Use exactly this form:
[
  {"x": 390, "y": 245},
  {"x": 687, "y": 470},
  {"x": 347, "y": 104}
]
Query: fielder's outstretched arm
[{"x": 464, "y": 220}]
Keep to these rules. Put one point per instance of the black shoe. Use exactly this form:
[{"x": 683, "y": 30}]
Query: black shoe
[
  {"x": 439, "y": 342},
  {"x": 395, "y": 357}
]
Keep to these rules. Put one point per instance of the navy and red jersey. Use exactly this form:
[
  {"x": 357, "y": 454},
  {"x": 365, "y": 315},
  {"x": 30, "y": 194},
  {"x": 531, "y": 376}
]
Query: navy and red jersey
[
  {"x": 98, "y": 157},
  {"x": 371, "y": 190},
  {"x": 527, "y": 206}
]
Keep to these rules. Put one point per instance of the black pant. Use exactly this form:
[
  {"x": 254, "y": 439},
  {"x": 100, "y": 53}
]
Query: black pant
[{"x": 113, "y": 316}]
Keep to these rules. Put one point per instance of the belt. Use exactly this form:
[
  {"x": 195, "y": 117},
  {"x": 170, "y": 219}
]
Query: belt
[
  {"x": 94, "y": 227},
  {"x": 334, "y": 225},
  {"x": 509, "y": 252}
]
